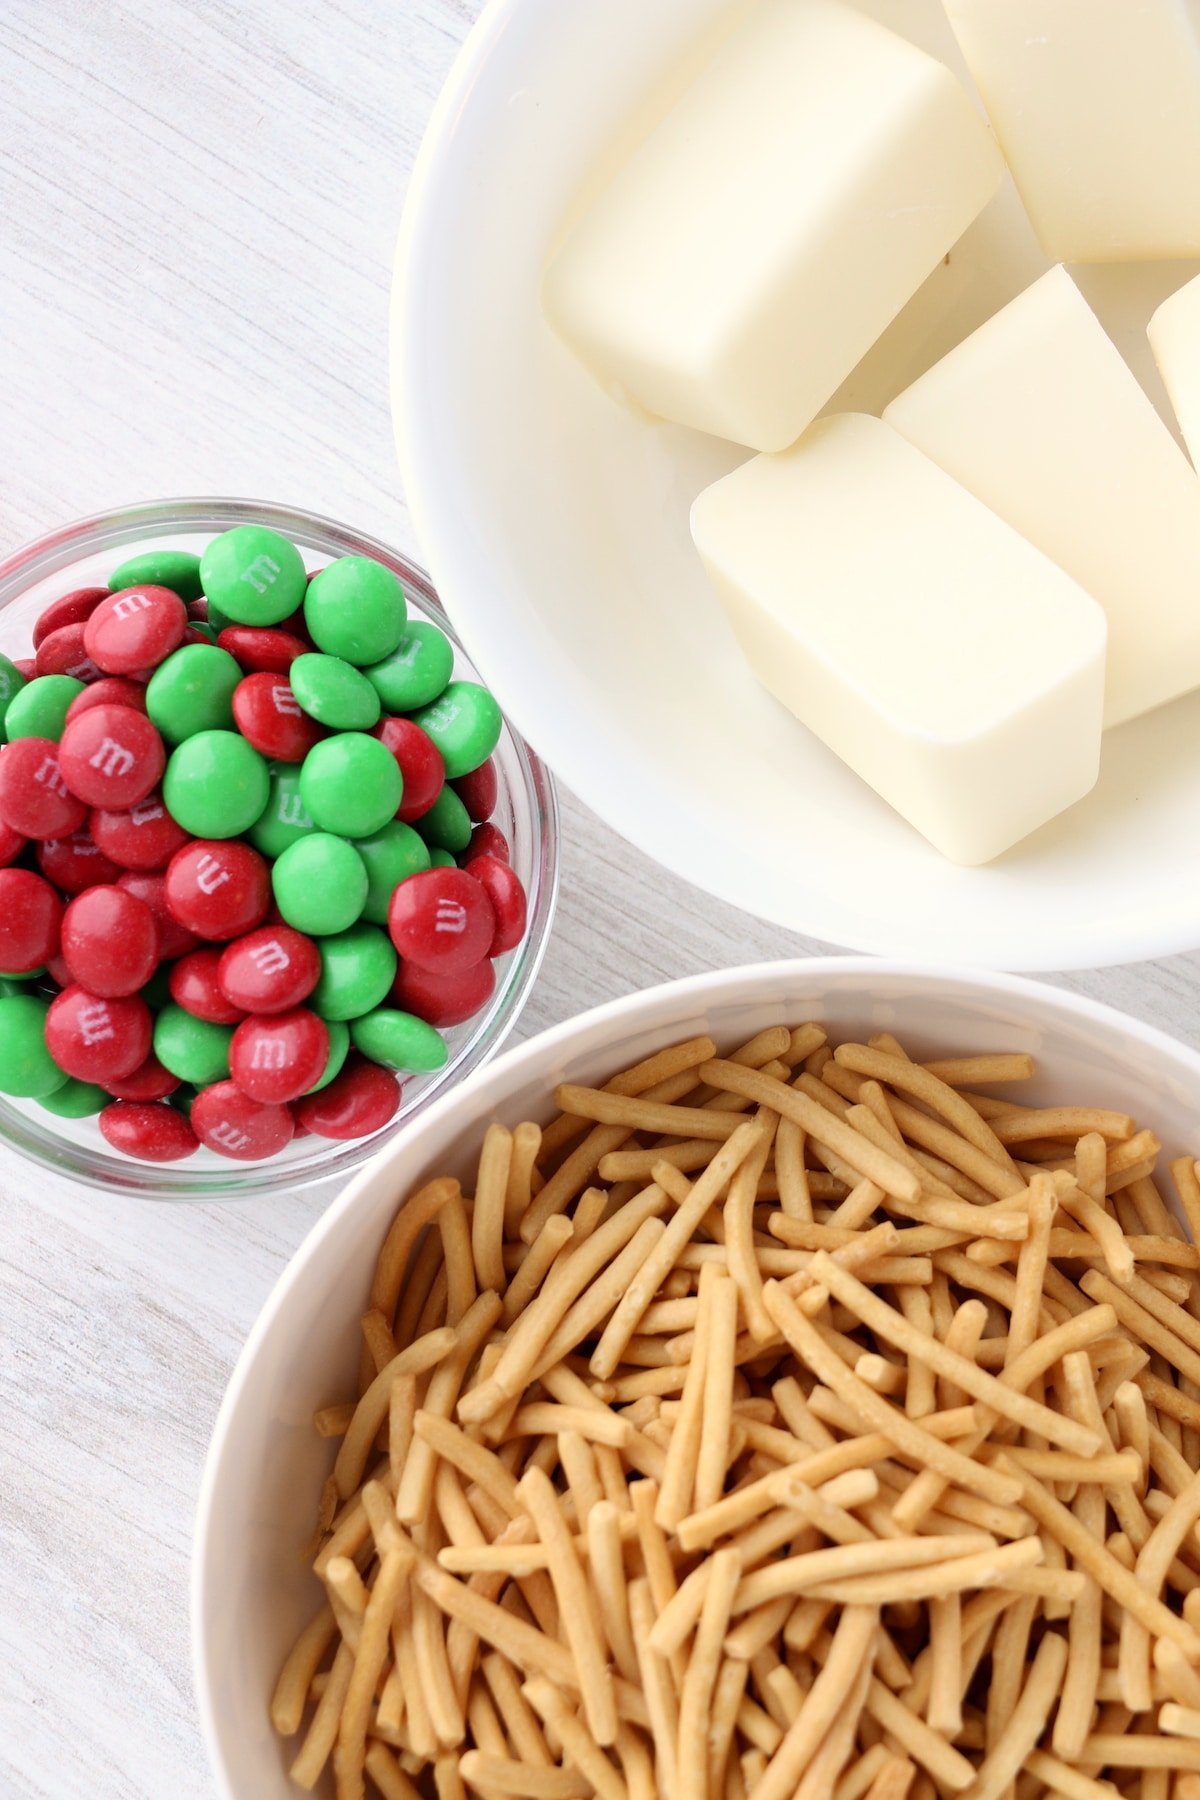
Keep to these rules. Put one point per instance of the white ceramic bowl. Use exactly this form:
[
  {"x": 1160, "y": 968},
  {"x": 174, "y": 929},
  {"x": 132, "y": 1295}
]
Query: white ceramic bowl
[
  {"x": 250, "y": 1590},
  {"x": 577, "y": 588}
]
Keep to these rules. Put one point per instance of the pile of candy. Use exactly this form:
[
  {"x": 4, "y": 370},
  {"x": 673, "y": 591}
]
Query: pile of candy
[{"x": 247, "y": 869}]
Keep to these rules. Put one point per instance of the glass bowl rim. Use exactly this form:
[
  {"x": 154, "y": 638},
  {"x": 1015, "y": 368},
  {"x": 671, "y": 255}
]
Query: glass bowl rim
[{"x": 93, "y": 1167}]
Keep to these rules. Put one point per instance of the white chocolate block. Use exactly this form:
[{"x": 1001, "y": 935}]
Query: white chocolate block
[
  {"x": 1174, "y": 334},
  {"x": 1037, "y": 414},
  {"x": 954, "y": 667},
  {"x": 1097, "y": 107},
  {"x": 759, "y": 240}
]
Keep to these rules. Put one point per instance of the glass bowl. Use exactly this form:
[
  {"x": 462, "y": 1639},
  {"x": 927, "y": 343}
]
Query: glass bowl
[{"x": 83, "y": 554}]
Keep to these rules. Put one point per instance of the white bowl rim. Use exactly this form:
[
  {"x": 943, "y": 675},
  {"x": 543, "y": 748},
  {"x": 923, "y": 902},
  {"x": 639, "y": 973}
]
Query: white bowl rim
[{"x": 710, "y": 987}]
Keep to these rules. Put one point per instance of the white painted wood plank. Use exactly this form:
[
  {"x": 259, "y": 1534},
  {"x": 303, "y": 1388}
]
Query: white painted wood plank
[{"x": 198, "y": 206}]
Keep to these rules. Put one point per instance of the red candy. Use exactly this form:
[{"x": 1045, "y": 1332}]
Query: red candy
[
  {"x": 357, "y": 1102},
  {"x": 479, "y": 791},
  {"x": 442, "y": 919},
  {"x": 270, "y": 970},
  {"x": 63, "y": 653},
  {"x": 194, "y": 986},
  {"x": 134, "y": 630},
  {"x": 111, "y": 756},
  {"x": 96, "y": 1039},
  {"x": 507, "y": 896},
  {"x": 11, "y": 844},
  {"x": 443, "y": 1000},
  {"x": 110, "y": 690},
  {"x": 296, "y": 625},
  {"x": 218, "y": 888},
  {"x": 58, "y": 971},
  {"x": 269, "y": 716},
  {"x": 261, "y": 647},
  {"x": 144, "y": 836},
  {"x": 174, "y": 939},
  {"x": 75, "y": 863},
  {"x": 232, "y": 1124},
  {"x": 151, "y": 1133},
  {"x": 34, "y": 798},
  {"x": 110, "y": 942},
  {"x": 68, "y": 609},
  {"x": 149, "y": 1081},
  {"x": 420, "y": 764},
  {"x": 30, "y": 918},
  {"x": 487, "y": 840},
  {"x": 278, "y": 1059}
]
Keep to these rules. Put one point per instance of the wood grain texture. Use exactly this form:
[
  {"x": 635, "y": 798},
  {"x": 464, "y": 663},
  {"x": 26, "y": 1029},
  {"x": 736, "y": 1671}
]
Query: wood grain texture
[{"x": 198, "y": 208}]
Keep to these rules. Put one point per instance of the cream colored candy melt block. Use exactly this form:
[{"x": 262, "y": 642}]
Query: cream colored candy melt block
[
  {"x": 755, "y": 245},
  {"x": 1039, "y": 416},
  {"x": 1174, "y": 333},
  {"x": 1097, "y": 107},
  {"x": 947, "y": 661}
]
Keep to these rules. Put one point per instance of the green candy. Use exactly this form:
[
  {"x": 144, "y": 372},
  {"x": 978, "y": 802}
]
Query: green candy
[
  {"x": 216, "y": 784},
  {"x": 27, "y": 1068},
  {"x": 334, "y": 692},
  {"x": 215, "y": 617},
  {"x": 192, "y": 690},
  {"x": 355, "y": 609},
  {"x": 255, "y": 576},
  {"x": 14, "y": 977},
  {"x": 351, "y": 784},
  {"x": 181, "y": 1098},
  {"x": 399, "y": 1041},
  {"x": 464, "y": 722},
  {"x": 357, "y": 969},
  {"x": 417, "y": 670},
  {"x": 194, "y": 1049},
  {"x": 339, "y": 1049},
  {"x": 391, "y": 856},
  {"x": 178, "y": 570},
  {"x": 11, "y": 683},
  {"x": 76, "y": 1100},
  {"x": 207, "y": 632},
  {"x": 447, "y": 825},
  {"x": 441, "y": 859},
  {"x": 284, "y": 822},
  {"x": 320, "y": 884},
  {"x": 40, "y": 708}
]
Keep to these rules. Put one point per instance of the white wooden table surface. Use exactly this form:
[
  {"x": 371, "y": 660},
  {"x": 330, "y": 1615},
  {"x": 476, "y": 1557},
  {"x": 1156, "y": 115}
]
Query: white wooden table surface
[{"x": 198, "y": 205}]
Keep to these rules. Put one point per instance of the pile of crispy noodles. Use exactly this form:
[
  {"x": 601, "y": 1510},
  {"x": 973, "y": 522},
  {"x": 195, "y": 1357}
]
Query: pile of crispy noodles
[{"x": 793, "y": 1424}]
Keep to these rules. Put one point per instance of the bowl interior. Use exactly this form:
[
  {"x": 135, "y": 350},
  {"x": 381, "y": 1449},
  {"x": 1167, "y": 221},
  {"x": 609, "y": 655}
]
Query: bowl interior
[
  {"x": 580, "y": 592},
  {"x": 251, "y": 1592},
  {"x": 84, "y": 555}
]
